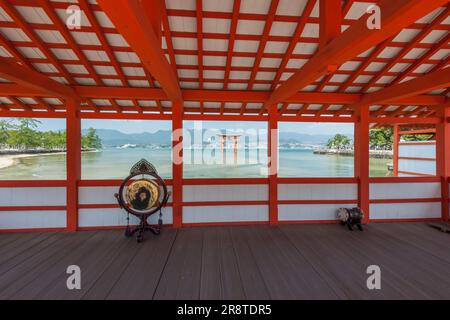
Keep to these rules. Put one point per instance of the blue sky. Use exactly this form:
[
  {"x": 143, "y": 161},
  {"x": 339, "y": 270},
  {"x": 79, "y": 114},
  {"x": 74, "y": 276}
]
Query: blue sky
[{"x": 137, "y": 126}]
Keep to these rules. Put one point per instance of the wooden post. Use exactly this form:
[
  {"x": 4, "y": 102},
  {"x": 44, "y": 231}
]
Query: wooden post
[
  {"x": 443, "y": 158},
  {"x": 177, "y": 165},
  {"x": 273, "y": 164},
  {"x": 330, "y": 21},
  {"x": 362, "y": 160},
  {"x": 73, "y": 162},
  {"x": 395, "y": 149}
]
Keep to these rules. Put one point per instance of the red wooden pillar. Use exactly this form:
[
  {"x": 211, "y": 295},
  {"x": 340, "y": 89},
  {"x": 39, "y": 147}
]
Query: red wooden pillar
[
  {"x": 177, "y": 165},
  {"x": 362, "y": 160},
  {"x": 273, "y": 164},
  {"x": 153, "y": 9},
  {"x": 395, "y": 149},
  {"x": 330, "y": 21},
  {"x": 443, "y": 158},
  {"x": 73, "y": 162}
]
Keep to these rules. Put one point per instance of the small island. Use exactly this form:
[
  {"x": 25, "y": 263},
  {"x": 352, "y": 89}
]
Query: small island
[{"x": 19, "y": 138}]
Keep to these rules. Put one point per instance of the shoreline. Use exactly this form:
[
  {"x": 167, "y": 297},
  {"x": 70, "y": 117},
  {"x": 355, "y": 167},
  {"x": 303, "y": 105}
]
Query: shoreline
[
  {"x": 9, "y": 160},
  {"x": 374, "y": 154}
]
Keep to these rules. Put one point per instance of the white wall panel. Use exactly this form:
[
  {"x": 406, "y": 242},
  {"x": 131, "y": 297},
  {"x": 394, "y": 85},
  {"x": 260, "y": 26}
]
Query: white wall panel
[
  {"x": 10, "y": 197},
  {"x": 405, "y": 190},
  {"x": 116, "y": 217},
  {"x": 339, "y": 191},
  {"x": 101, "y": 195},
  {"x": 310, "y": 212},
  {"x": 417, "y": 150},
  {"x": 225, "y": 214},
  {"x": 32, "y": 219},
  {"x": 417, "y": 166},
  {"x": 405, "y": 210},
  {"x": 225, "y": 193}
]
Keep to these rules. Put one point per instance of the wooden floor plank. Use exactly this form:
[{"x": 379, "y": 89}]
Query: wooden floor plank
[
  {"x": 103, "y": 285},
  {"x": 181, "y": 277},
  {"x": 360, "y": 244},
  {"x": 92, "y": 258},
  {"x": 29, "y": 252},
  {"x": 252, "y": 279},
  {"x": 243, "y": 262},
  {"x": 18, "y": 277},
  {"x": 345, "y": 269},
  {"x": 140, "y": 279},
  {"x": 19, "y": 243},
  {"x": 211, "y": 268},
  {"x": 231, "y": 282}
]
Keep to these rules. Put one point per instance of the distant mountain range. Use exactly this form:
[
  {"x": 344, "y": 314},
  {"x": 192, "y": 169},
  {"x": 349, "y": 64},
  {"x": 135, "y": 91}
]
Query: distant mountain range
[
  {"x": 111, "y": 137},
  {"x": 117, "y": 138}
]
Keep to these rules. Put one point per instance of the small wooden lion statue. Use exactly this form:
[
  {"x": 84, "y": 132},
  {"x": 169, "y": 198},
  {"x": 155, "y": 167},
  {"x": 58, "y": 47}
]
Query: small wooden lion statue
[{"x": 351, "y": 217}]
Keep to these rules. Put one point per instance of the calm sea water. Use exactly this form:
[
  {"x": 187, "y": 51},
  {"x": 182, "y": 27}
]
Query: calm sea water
[{"x": 115, "y": 163}]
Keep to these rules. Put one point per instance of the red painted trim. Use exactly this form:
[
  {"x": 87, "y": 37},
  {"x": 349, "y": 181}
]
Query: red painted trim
[
  {"x": 395, "y": 148},
  {"x": 33, "y": 208},
  {"x": 424, "y": 131},
  {"x": 109, "y": 183},
  {"x": 361, "y": 159},
  {"x": 417, "y": 143},
  {"x": 113, "y": 227},
  {"x": 443, "y": 157},
  {"x": 73, "y": 166},
  {"x": 125, "y": 116},
  {"x": 32, "y": 183},
  {"x": 105, "y": 206},
  {"x": 318, "y": 202},
  {"x": 217, "y": 181},
  {"x": 324, "y": 119},
  {"x": 177, "y": 164},
  {"x": 272, "y": 166},
  {"x": 224, "y": 181},
  {"x": 32, "y": 230},
  {"x": 225, "y": 117},
  {"x": 416, "y": 174},
  {"x": 316, "y": 180},
  {"x": 404, "y": 179},
  {"x": 224, "y": 203},
  {"x": 416, "y": 158},
  {"x": 411, "y": 200},
  {"x": 99, "y": 206},
  {"x": 405, "y": 120}
]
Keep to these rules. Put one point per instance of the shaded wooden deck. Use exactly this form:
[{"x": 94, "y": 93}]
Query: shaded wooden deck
[{"x": 251, "y": 262}]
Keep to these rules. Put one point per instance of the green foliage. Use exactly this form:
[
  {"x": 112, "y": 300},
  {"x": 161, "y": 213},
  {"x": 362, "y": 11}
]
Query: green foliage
[
  {"x": 5, "y": 127},
  {"x": 381, "y": 138},
  {"x": 91, "y": 140},
  {"x": 23, "y": 133},
  {"x": 339, "y": 142},
  {"x": 417, "y": 137}
]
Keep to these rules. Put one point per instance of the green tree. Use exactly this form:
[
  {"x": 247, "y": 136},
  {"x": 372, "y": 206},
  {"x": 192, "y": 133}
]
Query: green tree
[
  {"x": 28, "y": 123},
  {"x": 417, "y": 137},
  {"x": 382, "y": 138},
  {"x": 5, "y": 128},
  {"x": 28, "y": 136},
  {"x": 340, "y": 142},
  {"x": 91, "y": 140}
]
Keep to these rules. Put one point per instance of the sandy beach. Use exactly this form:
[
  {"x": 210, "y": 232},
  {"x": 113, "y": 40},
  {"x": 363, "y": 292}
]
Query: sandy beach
[
  {"x": 6, "y": 161},
  {"x": 9, "y": 160}
]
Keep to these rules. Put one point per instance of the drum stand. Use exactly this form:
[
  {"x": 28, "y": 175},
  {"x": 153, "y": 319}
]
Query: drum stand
[
  {"x": 143, "y": 224},
  {"x": 142, "y": 227}
]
